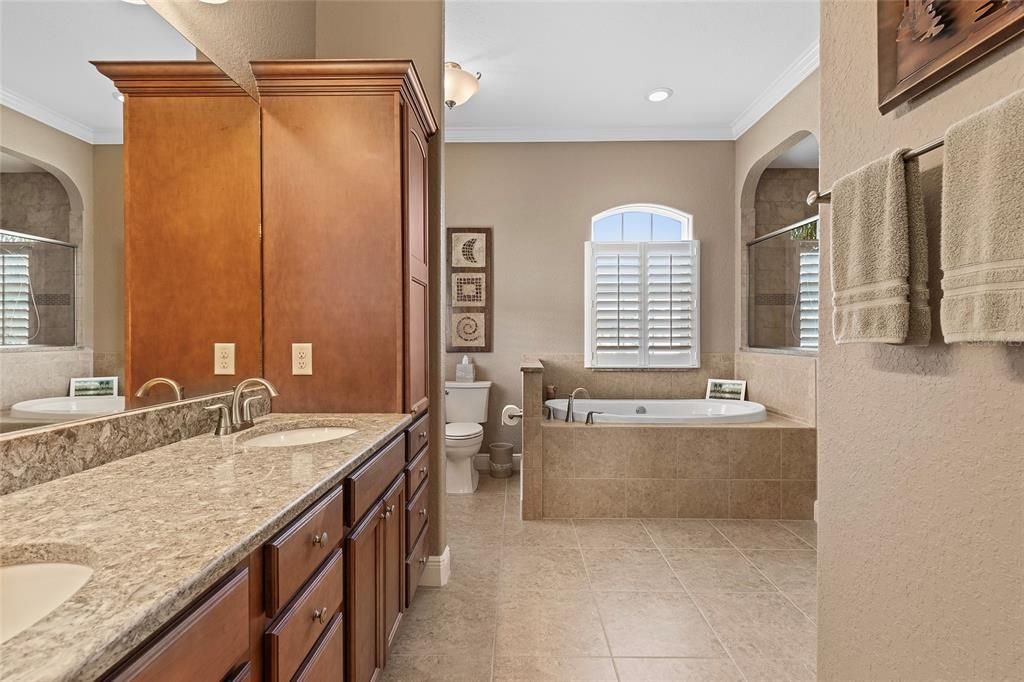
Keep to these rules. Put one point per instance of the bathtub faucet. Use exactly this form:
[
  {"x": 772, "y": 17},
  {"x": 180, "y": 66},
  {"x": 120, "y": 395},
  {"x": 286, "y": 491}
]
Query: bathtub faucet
[{"x": 569, "y": 418}]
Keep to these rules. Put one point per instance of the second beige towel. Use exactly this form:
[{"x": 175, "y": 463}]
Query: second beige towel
[
  {"x": 983, "y": 226},
  {"x": 879, "y": 255}
]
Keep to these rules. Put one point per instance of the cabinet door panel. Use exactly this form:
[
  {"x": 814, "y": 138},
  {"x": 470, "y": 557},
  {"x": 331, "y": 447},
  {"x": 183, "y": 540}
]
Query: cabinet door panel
[
  {"x": 417, "y": 369},
  {"x": 364, "y": 627},
  {"x": 394, "y": 558}
]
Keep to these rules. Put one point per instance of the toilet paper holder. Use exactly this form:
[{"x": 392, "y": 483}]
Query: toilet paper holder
[{"x": 511, "y": 415}]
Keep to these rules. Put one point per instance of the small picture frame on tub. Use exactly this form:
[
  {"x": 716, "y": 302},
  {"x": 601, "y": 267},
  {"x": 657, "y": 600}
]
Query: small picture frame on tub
[
  {"x": 93, "y": 386},
  {"x": 726, "y": 389}
]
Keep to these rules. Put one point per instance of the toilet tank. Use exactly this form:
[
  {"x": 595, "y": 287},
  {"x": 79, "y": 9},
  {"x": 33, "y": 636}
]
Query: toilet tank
[{"x": 466, "y": 401}]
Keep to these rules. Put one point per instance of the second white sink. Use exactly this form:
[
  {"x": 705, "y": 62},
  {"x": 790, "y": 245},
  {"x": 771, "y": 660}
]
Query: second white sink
[
  {"x": 292, "y": 437},
  {"x": 28, "y": 592}
]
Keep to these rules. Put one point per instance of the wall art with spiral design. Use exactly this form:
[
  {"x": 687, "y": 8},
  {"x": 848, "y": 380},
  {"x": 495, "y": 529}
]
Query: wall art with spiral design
[{"x": 470, "y": 292}]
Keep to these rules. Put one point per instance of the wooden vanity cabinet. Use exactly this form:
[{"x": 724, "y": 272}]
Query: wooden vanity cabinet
[{"x": 345, "y": 233}]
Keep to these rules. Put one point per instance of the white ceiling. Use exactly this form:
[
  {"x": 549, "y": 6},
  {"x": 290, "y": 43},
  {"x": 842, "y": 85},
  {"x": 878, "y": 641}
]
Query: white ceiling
[
  {"x": 804, "y": 154},
  {"x": 581, "y": 70},
  {"x": 45, "y": 50}
]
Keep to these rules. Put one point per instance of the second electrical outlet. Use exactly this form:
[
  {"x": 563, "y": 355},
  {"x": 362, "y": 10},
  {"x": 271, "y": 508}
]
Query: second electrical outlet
[{"x": 302, "y": 358}]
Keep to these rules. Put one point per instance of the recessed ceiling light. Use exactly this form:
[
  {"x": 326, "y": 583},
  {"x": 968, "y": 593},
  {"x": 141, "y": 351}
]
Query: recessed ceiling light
[
  {"x": 214, "y": 2},
  {"x": 117, "y": 95},
  {"x": 659, "y": 95},
  {"x": 135, "y": 2}
]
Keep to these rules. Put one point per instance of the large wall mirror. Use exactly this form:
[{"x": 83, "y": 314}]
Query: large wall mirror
[{"x": 68, "y": 310}]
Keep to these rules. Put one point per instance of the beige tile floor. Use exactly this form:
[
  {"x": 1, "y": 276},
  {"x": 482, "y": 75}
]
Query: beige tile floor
[{"x": 623, "y": 600}]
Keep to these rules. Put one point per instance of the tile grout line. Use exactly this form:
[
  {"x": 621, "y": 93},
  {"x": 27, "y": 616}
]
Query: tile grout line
[
  {"x": 689, "y": 595},
  {"x": 772, "y": 582},
  {"x": 593, "y": 599}
]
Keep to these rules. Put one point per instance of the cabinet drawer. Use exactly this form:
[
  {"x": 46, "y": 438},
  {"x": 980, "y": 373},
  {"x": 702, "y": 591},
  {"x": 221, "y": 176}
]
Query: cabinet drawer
[
  {"x": 415, "y": 516},
  {"x": 367, "y": 483},
  {"x": 293, "y": 554},
  {"x": 206, "y": 645},
  {"x": 419, "y": 436},
  {"x": 416, "y": 471},
  {"x": 414, "y": 567},
  {"x": 292, "y": 635},
  {"x": 327, "y": 659}
]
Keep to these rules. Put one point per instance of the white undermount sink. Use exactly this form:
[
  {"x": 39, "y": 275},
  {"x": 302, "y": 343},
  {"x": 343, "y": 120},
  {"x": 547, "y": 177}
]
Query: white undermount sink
[
  {"x": 293, "y": 437},
  {"x": 29, "y": 592}
]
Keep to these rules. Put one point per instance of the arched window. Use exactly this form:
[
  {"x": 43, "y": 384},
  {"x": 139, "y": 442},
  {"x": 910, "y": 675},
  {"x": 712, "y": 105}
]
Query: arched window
[{"x": 643, "y": 289}]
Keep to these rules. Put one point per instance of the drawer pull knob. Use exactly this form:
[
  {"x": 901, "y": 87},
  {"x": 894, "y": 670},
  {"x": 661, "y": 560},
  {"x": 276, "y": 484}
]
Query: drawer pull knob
[
  {"x": 423, "y": 512},
  {"x": 423, "y": 470},
  {"x": 320, "y": 540},
  {"x": 320, "y": 614},
  {"x": 388, "y": 511},
  {"x": 423, "y": 560},
  {"x": 423, "y": 434}
]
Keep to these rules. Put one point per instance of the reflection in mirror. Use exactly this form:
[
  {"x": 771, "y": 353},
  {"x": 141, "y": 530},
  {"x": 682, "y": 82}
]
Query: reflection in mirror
[
  {"x": 783, "y": 256},
  {"x": 62, "y": 315}
]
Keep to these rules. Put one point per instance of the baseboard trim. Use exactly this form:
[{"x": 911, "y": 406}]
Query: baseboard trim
[
  {"x": 438, "y": 569},
  {"x": 482, "y": 462}
]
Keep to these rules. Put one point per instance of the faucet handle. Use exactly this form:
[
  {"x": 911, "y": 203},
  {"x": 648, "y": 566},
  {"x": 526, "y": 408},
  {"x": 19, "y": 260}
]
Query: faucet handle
[{"x": 224, "y": 426}]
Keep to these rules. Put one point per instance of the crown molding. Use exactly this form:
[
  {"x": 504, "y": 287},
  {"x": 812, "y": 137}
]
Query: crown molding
[
  {"x": 794, "y": 74},
  {"x": 458, "y": 134},
  {"x": 47, "y": 116}
]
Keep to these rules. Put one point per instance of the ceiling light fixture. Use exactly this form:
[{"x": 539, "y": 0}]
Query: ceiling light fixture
[
  {"x": 659, "y": 94},
  {"x": 459, "y": 85},
  {"x": 214, "y": 2},
  {"x": 135, "y": 2},
  {"x": 118, "y": 96}
]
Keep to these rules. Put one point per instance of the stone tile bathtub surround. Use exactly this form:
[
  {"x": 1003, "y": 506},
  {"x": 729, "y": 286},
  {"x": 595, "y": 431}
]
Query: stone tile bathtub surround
[
  {"x": 39, "y": 455},
  {"x": 200, "y": 506},
  {"x": 751, "y": 471}
]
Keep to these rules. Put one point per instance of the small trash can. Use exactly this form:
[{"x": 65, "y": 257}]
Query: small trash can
[{"x": 501, "y": 460}]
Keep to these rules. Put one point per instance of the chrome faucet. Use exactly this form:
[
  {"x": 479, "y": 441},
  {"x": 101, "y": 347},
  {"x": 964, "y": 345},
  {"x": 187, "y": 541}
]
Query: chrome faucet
[
  {"x": 569, "y": 418},
  {"x": 239, "y": 416},
  {"x": 179, "y": 390}
]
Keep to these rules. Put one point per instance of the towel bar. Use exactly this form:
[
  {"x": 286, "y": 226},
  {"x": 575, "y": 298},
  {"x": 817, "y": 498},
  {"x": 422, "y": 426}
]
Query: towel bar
[{"x": 826, "y": 196}]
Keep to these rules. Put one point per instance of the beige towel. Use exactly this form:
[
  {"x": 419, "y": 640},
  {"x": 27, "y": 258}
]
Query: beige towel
[
  {"x": 983, "y": 225},
  {"x": 879, "y": 255}
]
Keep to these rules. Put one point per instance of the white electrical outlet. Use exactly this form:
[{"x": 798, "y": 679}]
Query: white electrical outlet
[
  {"x": 223, "y": 358},
  {"x": 302, "y": 358}
]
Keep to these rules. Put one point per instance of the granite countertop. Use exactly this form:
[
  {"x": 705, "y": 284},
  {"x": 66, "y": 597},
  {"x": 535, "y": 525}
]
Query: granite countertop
[{"x": 161, "y": 527}]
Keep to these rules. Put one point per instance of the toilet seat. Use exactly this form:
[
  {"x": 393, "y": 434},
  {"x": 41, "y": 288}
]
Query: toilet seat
[{"x": 462, "y": 431}]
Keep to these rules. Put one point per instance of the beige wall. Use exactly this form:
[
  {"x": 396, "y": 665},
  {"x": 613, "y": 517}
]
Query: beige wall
[
  {"x": 539, "y": 198},
  {"x": 233, "y": 34},
  {"x": 406, "y": 29},
  {"x": 782, "y": 382},
  {"x": 108, "y": 176},
  {"x": 921, "y": 451}
]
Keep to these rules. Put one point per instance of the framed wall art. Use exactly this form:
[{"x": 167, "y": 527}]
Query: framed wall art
[
  {"x": 470, "y": 290},
  {"x": 923, "y": 42}
]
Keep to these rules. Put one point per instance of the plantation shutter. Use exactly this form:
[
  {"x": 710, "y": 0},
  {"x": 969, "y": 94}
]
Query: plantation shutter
[
  {"x": 643, "y": 304},
  {"x": 672, "y": 303},
  {"x": 808, "y": 302},
  {"x": 615, "y": 286},
  {"x": 14, "y": 299}
]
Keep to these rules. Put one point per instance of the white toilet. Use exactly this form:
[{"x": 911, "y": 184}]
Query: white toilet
[{"x": 465, "y": 405}]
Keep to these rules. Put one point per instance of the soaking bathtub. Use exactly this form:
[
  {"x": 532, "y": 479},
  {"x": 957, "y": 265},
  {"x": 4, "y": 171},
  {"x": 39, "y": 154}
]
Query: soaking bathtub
[{"x": 661, "y": 411}]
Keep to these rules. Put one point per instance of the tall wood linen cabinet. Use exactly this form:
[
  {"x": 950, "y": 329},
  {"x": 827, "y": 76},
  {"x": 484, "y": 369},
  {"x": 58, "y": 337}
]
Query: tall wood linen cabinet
[{"x": 345, "y": 233}]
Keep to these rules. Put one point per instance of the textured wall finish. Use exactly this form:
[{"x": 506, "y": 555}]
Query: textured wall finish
[
  {"x": 780, "y": 198},
  {"x": 233, "y": 34},
  {"x": 540, "y": 198},
  {"x": 921, "y": 467}
]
